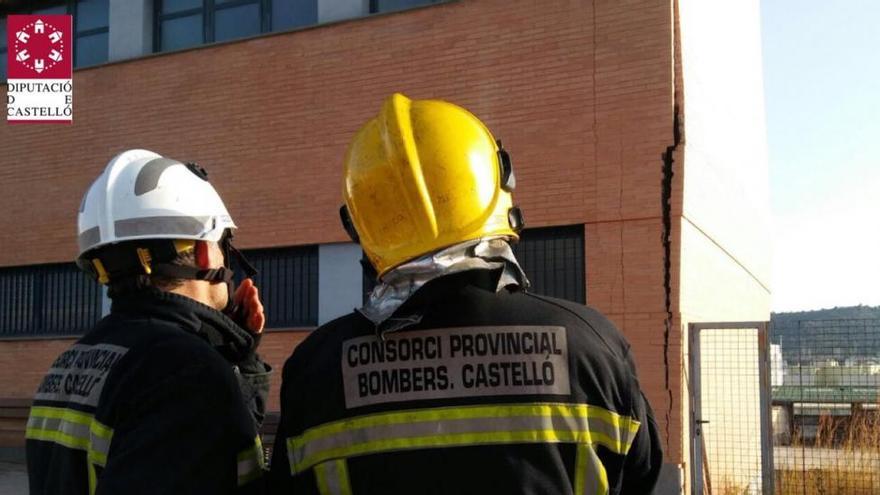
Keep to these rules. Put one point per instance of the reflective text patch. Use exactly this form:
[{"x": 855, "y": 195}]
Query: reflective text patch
[
  {"x": 455, "y": 362},
  {"x": 79, "y": 373}
]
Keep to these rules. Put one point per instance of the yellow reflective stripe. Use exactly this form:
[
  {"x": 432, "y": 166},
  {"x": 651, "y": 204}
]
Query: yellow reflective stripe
[
  {"x": 590, "y": 476},
  {"x": 58, "y": 437},
  {"x": 72, "y": 429},
  {"x": 603, "y": 475},
  {"x": 622, "y": 423},
  {"x": 470, "y": 425},
  {"x": 62, "y": 413},
  {"x": 101, "y": 431},
  {"x": 251, "y": 462},
  {"x": 469, "y": 412},
  {"x": 332, "y": 478},
  {"x": 93, "y": 478},
  {"x": 580, "y": 469},
  {"x": 321, "y": 476},
  {"x": 344, "y": 481}
]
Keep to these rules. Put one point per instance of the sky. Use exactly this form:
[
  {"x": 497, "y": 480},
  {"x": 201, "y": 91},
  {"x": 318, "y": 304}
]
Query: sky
[{"x": 822, "y": 90}]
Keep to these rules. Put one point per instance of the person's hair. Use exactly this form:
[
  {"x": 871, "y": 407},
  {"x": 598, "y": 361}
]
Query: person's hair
[{"x": 125, "y": 285}]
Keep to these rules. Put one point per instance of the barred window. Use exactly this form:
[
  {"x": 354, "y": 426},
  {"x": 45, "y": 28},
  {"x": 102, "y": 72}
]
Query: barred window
[
  {"x": 47, "y": 300},
  {"x": 553, "y": 259},
  {"x": 288, "y": 284}
]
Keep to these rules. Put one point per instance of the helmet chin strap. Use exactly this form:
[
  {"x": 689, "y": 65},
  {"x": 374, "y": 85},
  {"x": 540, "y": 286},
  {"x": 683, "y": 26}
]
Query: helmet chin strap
[
  {"x": 153, "y": 257},
  {"x": 223, "y": 274}
]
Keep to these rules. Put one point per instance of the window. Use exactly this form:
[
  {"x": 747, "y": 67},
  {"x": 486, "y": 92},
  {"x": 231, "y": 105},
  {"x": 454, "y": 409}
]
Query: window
[
  {"x": 377, "y": 6},
  {"x": 552, "y": 257},
  {"x": 288, "y": 284},
  {"x": 91, "y": 21},
  {"x": 290, "y": 14},
  {"x": 47, "y": 300},
  {"x": 180, "y": 24},
  {"x": 185, "y": 23},
  {"x": 3, "y": 49}
]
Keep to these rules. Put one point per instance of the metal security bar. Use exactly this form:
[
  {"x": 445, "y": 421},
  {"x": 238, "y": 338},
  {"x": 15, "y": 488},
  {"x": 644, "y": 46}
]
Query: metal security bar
[
  {"x": 826, "y": 406},
  {"x": 553, "y": 259},
  {"x": 47, "y": 300},
  {"x": 731, "y": 437},
  {"x": 288, "y": 284}
]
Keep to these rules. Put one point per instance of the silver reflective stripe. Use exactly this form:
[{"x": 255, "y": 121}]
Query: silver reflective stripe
[
  {"x": 72, "y": 429},
  {"x": 148, "y": 177},
  {"x": 248, "y": 469},
  {"x": 99, "y": 447},
  {"x": 332, "y": 478},
  {"x": 251, "y": 463},
  {"x": 590, "y": 475},
  {"x": 89, "y": 238},
  {"x": 60, "y": 425},
  {"x": 447, "y": 427},
  {"x": 190, "y": 226},
  {"x": 469, "y": 425}
]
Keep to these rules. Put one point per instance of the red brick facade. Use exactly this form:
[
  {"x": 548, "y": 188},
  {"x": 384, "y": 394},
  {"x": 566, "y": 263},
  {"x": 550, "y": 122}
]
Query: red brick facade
[{"x": 580, "y": 92}]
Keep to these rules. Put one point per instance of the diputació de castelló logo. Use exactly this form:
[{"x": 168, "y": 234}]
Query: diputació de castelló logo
[{"x": 40, "y": 61}]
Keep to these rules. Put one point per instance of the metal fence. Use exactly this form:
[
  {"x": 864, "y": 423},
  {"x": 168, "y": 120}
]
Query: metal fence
[
  {"x": 826, "y": 406},
  {"x": 730, "y": 415}
]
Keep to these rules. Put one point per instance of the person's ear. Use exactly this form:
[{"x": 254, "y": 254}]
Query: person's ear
[{"x": 203, "y": 255}]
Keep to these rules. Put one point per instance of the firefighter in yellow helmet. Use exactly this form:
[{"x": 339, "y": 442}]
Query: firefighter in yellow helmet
[{"x": 453, "y": 378}]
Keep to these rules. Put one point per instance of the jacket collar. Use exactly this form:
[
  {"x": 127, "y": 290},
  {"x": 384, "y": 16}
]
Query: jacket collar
[
  {"x": 403, "y": 287},
  {"x": 232, "y": 341}
]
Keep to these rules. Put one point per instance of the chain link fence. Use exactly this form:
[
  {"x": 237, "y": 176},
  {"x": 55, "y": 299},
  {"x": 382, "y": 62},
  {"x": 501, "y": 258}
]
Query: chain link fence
[{"x": 826, "y": 406}]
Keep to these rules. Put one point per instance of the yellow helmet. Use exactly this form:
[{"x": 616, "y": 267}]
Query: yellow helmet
[{"x": 424, "y": 175}]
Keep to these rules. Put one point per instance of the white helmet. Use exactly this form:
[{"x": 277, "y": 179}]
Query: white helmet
[{"x": 142, "y": 195}]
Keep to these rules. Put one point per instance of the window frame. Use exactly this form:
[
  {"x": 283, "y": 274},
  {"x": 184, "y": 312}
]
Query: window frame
[
  {"x": 374, "y": 6},
  {"x": 70, "y": 7},
  {"x": 208, "y": 10}
]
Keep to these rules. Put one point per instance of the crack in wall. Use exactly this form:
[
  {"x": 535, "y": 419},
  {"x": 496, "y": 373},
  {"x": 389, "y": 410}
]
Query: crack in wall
[{"x": 666, "y": 202}]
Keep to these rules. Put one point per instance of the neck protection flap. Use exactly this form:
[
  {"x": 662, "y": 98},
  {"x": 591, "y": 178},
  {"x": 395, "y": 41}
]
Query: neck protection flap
[{"x": 399, "y": 285}]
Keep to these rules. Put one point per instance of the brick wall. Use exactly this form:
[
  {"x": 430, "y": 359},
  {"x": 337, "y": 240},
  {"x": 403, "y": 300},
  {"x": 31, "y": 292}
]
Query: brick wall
[{"x": 579, "y": 91}]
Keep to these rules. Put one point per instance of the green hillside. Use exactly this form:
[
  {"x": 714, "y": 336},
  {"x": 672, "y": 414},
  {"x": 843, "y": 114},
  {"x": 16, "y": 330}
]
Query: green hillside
[{"x": 836, "y": 334}]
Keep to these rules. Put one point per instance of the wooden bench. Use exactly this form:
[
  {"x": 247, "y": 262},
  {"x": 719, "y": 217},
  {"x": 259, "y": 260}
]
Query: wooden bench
[{"x": 13, "y": 420}]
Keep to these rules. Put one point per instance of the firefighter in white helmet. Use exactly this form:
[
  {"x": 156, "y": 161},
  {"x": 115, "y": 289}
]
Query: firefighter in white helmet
[
  {"x": 166, "y": 394},
  {"x": 453, "y": 378}
]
